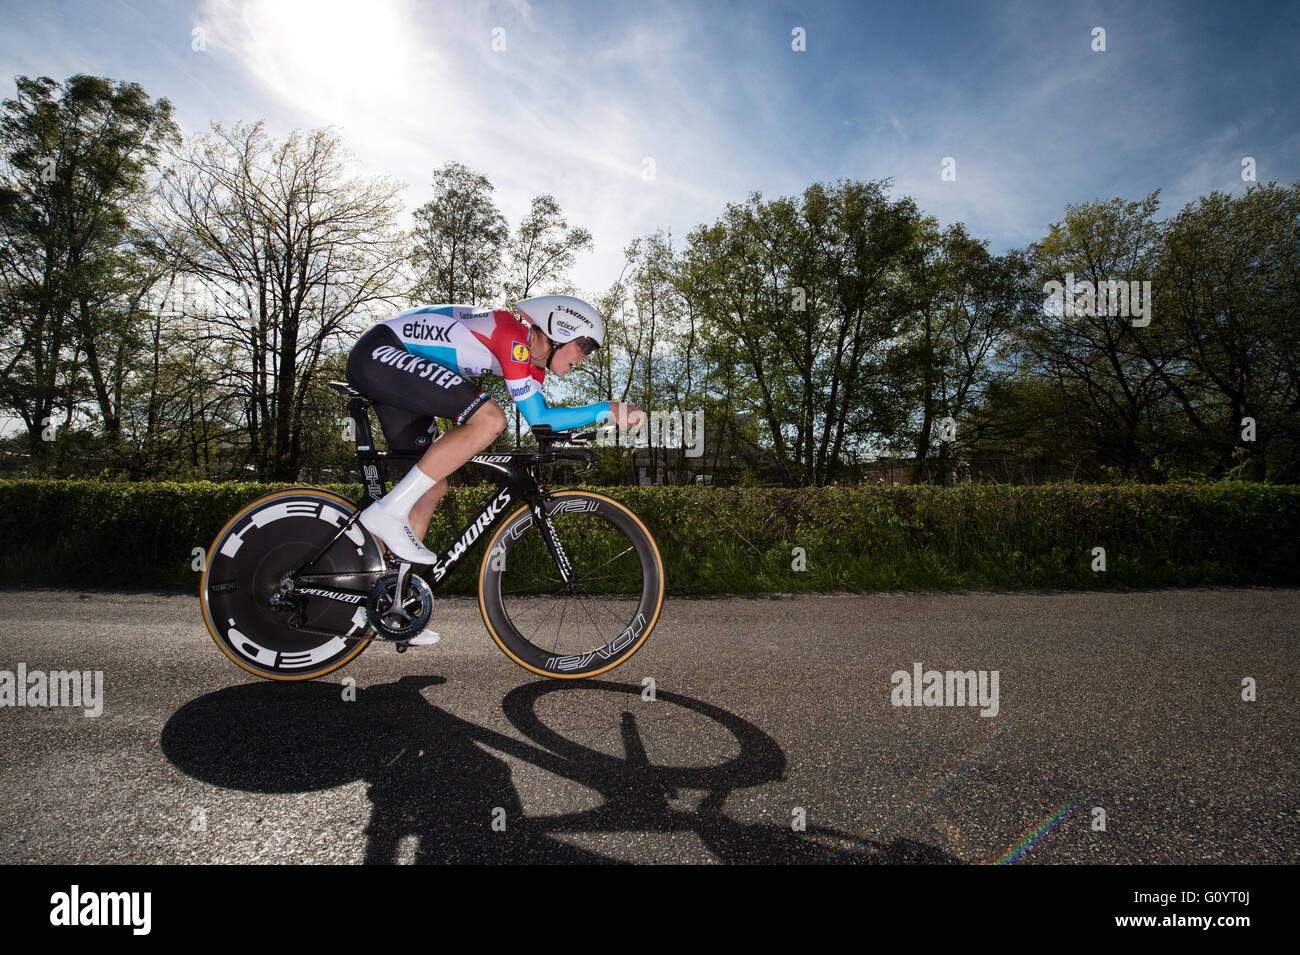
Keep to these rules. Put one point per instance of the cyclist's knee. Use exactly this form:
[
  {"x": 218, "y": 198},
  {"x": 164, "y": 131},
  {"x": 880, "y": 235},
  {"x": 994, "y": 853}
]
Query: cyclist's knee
[{"x": 490, "y": 418}]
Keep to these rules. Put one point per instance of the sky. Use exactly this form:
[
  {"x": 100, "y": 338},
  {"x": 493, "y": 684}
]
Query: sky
[{"x": 648, "y": 115}]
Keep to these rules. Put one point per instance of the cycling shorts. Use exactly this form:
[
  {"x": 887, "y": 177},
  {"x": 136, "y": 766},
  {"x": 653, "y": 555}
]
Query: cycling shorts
[{"x": 409, "y": 391}]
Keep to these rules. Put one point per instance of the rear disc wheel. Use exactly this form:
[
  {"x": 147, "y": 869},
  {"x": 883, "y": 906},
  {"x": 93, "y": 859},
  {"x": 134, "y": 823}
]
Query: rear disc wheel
[{"x": 244, "y": 568}]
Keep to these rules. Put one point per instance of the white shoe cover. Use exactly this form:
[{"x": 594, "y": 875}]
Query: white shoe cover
[{"x": 389, "y": 518}]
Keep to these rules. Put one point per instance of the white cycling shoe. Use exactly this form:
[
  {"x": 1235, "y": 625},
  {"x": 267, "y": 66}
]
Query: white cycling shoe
[
  {"x": 425, "y": 639},
  {"x": 389, "y": 518}
]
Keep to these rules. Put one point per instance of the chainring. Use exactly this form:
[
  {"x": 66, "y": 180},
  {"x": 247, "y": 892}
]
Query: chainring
[{"x": 404, "y": 619}]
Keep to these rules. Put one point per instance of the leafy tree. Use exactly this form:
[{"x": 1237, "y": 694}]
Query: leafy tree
[
  {"x": 961, "y": 303},
  {"x": 1094, "y": 360},
  {"x": 1225, "y": 334},
  {"x": 292, "y": 254},
  {"x": 460, "y": 237},
  {"x": 75, "y": 160},
  {"x": 802, "y": 289},
  {"x": 542, "y": 249}
]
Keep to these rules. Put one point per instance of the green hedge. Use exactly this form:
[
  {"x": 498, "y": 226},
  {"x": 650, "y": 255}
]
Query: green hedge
[{"x": 721, "y": 540}]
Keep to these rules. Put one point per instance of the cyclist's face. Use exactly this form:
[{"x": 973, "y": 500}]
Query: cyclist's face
[{"x": 568, "y": 357}]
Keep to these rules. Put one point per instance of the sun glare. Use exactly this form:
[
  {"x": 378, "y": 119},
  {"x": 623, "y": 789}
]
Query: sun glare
[{"x": 336, "y": 58}]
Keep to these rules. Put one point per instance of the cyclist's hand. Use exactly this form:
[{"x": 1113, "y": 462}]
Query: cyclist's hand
[{"x": 625, "y": 414}]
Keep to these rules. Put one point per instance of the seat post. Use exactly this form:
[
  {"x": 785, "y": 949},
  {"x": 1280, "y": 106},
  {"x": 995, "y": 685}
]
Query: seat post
[
  {"x": 367, "y": 457},
  {"x": 357, "y": 408}
]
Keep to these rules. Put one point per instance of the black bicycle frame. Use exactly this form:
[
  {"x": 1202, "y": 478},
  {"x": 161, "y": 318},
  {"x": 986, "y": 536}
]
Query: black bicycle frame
[{"x": 516, "y": 483}]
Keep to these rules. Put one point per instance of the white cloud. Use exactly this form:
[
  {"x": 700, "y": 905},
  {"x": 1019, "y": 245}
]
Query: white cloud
[
  {"x": 575, "y": 118},
  {"x": 412, "y": 90}
]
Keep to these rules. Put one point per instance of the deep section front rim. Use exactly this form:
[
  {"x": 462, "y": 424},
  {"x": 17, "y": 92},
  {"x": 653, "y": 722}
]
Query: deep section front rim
[{"x": 615, "y": 604}]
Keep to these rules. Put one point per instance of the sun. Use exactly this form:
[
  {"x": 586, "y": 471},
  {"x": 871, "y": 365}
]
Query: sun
[{"x": 333, "y": 58}]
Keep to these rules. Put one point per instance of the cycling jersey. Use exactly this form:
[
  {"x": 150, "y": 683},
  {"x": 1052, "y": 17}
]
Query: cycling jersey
[{"x": 483, "y": 341}]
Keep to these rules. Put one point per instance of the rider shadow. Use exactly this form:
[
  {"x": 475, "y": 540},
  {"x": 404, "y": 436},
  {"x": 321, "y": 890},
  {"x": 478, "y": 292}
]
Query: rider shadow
[
  {"x": 437, "y": 789},
  {"x": 442, "y": 790}
]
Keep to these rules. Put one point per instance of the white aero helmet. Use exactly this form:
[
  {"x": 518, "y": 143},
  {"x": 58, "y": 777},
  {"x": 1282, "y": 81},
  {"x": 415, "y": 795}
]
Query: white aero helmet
[{"x": 563, "y": 319}]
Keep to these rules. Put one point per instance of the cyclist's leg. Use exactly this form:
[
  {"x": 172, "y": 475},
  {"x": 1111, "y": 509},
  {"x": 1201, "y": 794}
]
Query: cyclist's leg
[
  {"x": 379, "y": 366},
  {"x": 453, "y": 449},
  {"x": 409, "y": 431},
  {"x": 422, "y": 510}
]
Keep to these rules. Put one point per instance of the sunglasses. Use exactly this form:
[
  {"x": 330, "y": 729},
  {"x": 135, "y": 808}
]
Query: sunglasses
[{"x": 588, "y": 345}]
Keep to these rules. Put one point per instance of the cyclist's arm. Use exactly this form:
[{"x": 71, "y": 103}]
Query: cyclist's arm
[{"x": 536, "y": 411}]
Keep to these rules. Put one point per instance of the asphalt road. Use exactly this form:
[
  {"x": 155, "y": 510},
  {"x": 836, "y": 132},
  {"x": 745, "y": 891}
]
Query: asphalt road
[{"x": 1120, "y": 736}]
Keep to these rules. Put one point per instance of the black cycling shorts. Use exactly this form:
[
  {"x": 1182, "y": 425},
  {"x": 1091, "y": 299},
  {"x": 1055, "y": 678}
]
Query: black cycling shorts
[{"x": 409, "y": 391}]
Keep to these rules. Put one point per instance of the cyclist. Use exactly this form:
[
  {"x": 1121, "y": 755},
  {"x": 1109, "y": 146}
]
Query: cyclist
[{"x": 420, "y": 364}]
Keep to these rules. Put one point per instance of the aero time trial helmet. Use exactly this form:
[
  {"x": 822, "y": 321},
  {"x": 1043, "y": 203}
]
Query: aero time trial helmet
[{"x": 563, "y": 319}]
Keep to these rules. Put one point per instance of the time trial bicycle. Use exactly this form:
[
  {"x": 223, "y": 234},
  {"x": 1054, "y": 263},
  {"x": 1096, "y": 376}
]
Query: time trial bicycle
[{"x": 570, "y": 584}]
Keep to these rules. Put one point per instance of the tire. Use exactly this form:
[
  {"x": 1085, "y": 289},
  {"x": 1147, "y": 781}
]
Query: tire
[
  {"x": 261, "y": 543},
  {"x": 620, "y": 587}
]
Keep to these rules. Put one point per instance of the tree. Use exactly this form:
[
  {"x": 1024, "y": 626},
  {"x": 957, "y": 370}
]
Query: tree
[
  {"x": 652, "y": 301},
  {"x": 541, "y": 250},
  {"x": 858, "y": 239},
  {"x": 295, "y": 251},
  {"x": 1092, "y": 356},
  {"x": 961, "y": 303},
  {"x": 74, "y": 174},
  {"x": 801, "y": 288},
  {"x": 1225, "y": 338},
  {"x": 459, "y": 239}
]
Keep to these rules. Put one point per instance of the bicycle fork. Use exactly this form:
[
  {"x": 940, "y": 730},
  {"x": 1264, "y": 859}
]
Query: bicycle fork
[{"x": 556, "y": 548}]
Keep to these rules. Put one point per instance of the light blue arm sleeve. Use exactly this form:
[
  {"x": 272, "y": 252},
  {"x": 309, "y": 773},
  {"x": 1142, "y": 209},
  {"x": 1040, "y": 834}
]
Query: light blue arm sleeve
[{"x": 536, "y": 411}]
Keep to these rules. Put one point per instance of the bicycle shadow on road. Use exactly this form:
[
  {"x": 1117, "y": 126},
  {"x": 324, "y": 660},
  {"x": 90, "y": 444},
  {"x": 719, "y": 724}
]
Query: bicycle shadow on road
[{"x": 439, "y": 791}]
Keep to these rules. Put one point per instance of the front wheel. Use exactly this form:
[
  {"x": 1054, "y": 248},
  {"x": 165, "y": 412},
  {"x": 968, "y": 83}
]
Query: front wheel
[
  {"x": 607, "y": 611},
  {"x": 253, "y": 552}
]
